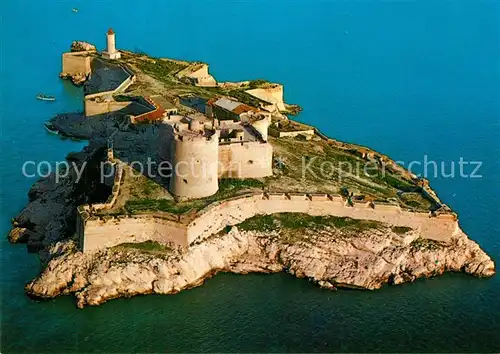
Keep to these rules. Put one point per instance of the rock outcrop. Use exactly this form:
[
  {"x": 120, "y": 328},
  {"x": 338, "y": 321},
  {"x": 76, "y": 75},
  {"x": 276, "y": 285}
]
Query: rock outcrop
[
  {"x": 43, "y": 220},
  {"x": 20, "y": 235},
  {"x": 50, "y": 215},
  {"x": 77, "y": 79},
  {"x": 81, "y": 46},
  {"x": 330, "y": 257}
]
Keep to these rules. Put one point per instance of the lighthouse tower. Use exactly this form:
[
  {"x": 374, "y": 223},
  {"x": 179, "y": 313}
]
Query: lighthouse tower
[{"x": 111, "y": 52}]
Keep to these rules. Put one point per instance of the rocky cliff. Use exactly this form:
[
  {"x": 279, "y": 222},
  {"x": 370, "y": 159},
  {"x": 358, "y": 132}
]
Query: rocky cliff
[
  {"x": 81, "y": 46},
  {"x": 77, "y": 79},
  {"x": 329, "y": 256}
]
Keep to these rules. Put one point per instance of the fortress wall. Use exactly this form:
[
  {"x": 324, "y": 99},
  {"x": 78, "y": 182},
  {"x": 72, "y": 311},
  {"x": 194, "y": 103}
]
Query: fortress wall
[
  {"x": 201, "y": 72},
  {"x": 100, "y": 233},
  {"x": 245, "y": 160},
  {"x": 122, "y": 87},
  {"x": 126, "y": 83},
  {"x": 272, "y": 95},
  {"x": 94, "y": 108},
  {"x": 215, "y": 218},
  {"x": 76, "y": 62},
  {"x": 276, "y": 133}
]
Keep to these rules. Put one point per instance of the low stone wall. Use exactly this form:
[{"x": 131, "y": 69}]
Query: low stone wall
[
  {"x": 122, "y": 87},
  {"x": 93, "y": 108},
  {"x": 84, "y": 212},
  {"x": 161, "y": 227},
  {"x": 103, "y": 102},
  {"x": 292, "y": 134}
]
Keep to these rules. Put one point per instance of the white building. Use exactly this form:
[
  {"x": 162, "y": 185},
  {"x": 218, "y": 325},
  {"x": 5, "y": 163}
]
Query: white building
[{"x": 111, "y": 52}]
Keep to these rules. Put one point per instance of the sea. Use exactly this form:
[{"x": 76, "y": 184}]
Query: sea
[{"x": 418, "y": 80}]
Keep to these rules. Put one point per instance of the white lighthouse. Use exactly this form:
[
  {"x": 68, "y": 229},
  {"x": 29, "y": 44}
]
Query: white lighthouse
[{"x": 111, "y": 52}]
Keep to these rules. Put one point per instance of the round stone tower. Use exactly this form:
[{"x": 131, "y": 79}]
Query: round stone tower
[
  {"x": 194, "y": 158},
  {"x": 259, "y": 121}
]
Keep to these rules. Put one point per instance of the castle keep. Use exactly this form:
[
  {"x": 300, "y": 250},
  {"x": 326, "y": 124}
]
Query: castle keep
[{"x": 202, "y": 150}]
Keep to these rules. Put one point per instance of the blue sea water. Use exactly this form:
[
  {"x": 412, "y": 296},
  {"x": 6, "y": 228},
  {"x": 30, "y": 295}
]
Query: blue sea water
[{"x": 406, "y": 78}]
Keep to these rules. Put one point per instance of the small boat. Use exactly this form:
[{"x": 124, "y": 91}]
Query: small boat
[
  {"x": 43, "y": 97},
  {"x": 50, "y": 128},
  {"x": 74, "y": 9}
]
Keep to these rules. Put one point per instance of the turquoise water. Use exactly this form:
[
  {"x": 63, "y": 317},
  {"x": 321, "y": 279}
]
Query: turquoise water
[{"x": 406, "y": 78}]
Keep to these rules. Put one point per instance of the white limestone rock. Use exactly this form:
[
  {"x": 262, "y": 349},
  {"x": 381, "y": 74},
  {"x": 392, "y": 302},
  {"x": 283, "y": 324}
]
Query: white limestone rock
[
  {"x": 81, "y": 46},
  {"x": 331, "y": 258}
]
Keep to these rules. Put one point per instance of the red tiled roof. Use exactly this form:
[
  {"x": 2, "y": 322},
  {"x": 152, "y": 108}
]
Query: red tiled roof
[{"x": 242, "y": 108}]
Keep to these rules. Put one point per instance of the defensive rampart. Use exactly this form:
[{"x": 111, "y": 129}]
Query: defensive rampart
[
  {"x": 291, "y": 134},
  {"x": 232, "y": 212},
  {"x": 272, "y": 95},
  {"x": 76, "y": 63},
  {"x": 103, "y": 102},
  {"x": 104, "y": 232},
  {"x": 97, "y": 233}
]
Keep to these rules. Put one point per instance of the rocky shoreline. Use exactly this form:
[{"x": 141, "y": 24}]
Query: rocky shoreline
[{"x": 331, "y": 258}]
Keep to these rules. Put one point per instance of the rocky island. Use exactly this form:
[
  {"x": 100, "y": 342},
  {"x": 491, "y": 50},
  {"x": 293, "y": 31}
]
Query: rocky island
[{"x": 184, "y": 177}]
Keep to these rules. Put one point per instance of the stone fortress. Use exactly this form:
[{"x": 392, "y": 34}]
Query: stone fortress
[
  {"x": 202, "y": 150},
  {"x": 228, "y": 140}
]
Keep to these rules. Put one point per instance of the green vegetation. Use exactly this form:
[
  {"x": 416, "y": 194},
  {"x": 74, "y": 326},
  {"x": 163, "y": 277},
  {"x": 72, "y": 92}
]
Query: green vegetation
[
  {"x": 149, "y": 246},
  {"x": 143, "y": 186},
  {"x": 401, "y": 229},
  {"x": 227, "y": 188},
  {"x": 242, "y": 96},
  {"x": 425, "y": 244},
  {"x": 170, "y": 206},
  {"x": 292, "y": 126},
  {"x": 328, "y": 168},
  {"x": 259, "y": 223},
  {"x": 397, "y": 183},
  {"x": 160, "y": 69},
  {"x": 228, "y": 185},
  {"x": 257, "y": 83},
  {"x": 296, "y": 221},
  {"x": 165, "y": 71},
  {"x": 123, "y": 98}
]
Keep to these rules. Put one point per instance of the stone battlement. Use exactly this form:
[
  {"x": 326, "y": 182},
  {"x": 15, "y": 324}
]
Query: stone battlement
[{"x": 102, "y": 232}]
